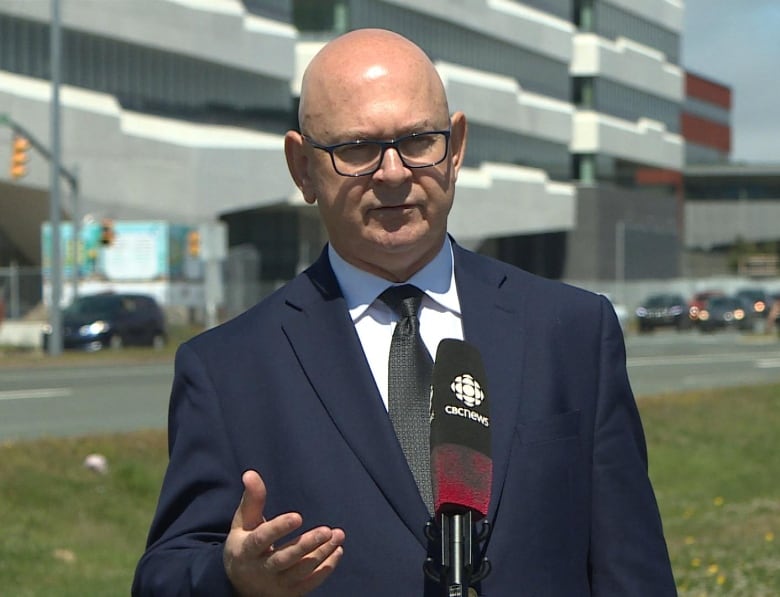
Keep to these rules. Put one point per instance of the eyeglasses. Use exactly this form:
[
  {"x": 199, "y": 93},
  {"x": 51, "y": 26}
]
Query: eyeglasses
[{"x": 363, "y": 157}]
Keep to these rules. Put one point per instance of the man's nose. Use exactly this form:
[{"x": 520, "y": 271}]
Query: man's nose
[{"x": 391, "y": 168}]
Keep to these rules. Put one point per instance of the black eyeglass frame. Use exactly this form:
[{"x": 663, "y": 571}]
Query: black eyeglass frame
[{"x": 384, "y": 146}]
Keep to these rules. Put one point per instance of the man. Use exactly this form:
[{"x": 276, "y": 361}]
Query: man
[{"x": 279, "y": 418}]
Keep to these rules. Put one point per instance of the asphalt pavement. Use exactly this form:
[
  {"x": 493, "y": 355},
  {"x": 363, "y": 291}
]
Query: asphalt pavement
[{"x": 106, "y": 393}]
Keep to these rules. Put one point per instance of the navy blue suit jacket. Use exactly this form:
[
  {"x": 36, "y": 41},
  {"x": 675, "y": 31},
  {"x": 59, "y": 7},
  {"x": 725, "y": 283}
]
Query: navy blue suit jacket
[{"x": 285, "y": 389}]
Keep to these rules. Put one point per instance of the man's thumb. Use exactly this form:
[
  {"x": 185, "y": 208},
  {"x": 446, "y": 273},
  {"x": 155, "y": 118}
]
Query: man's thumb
[{"x": 250, "y": 511}]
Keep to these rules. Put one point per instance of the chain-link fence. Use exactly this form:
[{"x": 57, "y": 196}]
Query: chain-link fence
[
  {"x": 20, "y": 291},
  {"x": 21, "y": 287}
]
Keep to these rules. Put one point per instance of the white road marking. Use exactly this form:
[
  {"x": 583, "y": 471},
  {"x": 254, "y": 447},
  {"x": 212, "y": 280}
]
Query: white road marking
[
  {"x": 35, "y": 393},
  {"x": 703, "y": 359}
]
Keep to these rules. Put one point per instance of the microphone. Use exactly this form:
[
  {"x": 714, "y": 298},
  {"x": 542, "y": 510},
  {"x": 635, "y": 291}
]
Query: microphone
[{"x": 461, "y": 463}]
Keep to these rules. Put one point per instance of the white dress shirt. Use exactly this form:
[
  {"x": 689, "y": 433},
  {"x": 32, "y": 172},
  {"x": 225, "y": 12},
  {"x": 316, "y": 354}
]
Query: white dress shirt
[{"x": 440, "y": 315}]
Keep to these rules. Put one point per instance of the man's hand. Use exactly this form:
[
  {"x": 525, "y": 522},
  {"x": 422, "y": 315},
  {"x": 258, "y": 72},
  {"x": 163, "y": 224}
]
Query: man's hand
[{"x": 259, "y": 568}]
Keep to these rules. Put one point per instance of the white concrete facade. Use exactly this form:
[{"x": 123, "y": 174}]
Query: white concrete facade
[
  {"x": 716, "y": 223},
  {"x": 501, "y": 102},
  {"x": 512, "y": 22},
  {"x": 646, "y": 141},
  {"x": 667, "y": 13},
  {"x": 133, "y": 165},
  {"x": 214, "y": 30},
  {"x": 633, "y": 66},
  {"x": 629, "y": 63}
]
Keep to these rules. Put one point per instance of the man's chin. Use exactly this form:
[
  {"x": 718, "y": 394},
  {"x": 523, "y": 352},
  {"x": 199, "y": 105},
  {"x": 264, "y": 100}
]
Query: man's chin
[{"x": 401, "y": 240}]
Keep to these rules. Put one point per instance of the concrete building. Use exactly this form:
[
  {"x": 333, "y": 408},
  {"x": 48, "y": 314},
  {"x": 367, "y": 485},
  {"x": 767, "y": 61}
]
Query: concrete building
[
  {"x": 732, "y": 210},
  {"x": 732, "y": 216},
  {"x": 628, "y": 88},
  {"x": 176, "y": 109}
]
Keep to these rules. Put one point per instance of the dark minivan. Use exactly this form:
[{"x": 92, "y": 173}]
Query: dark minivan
[{"x": 112, "y": 320}]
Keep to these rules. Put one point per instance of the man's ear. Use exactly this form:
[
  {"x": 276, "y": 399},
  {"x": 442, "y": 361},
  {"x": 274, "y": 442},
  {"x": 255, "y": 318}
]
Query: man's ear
[
  {"x": 298, "y": 164},
  {"x": 458, "y": 135}
]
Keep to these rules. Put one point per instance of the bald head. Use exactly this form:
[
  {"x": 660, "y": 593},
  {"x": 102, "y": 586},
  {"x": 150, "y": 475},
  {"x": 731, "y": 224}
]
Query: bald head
[
  {"x": 374, "y": 85},
  {"x": 361, "y": 71}
]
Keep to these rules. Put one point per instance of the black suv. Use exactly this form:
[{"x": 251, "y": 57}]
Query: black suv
[
  {"x": 663, "y": 310},
  {"x": 112, "y": 320}
]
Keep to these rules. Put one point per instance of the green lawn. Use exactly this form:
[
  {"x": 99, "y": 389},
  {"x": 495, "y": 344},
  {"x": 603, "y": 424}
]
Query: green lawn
[
  {"x": 67, "y": 531},
  {"x": 715, "y": 463}
]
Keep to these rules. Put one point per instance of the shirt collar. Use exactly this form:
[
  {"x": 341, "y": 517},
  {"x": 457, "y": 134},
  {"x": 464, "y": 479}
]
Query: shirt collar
[{"x": 361, "y": 288}]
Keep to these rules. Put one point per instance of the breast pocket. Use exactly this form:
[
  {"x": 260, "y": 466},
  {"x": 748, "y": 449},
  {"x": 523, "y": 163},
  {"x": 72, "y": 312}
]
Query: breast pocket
[
  {"x": 558, "y": 427},
  {"x": 546, "y": 486}
]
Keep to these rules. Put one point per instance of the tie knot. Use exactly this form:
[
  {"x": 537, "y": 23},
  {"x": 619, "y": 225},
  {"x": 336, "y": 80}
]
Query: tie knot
[{"x": 404, "y": 300}]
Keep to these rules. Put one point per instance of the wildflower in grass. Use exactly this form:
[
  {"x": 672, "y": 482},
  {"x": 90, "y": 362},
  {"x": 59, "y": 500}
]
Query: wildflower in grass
[
  {"x": 690, "y": 540},
  {"x": 718, "y": 501},
  {"x": 769, "y": 537},
  {"x": 712, "y": 569},
  {"x": 696, "y": 562},
  {"x": 721, "y": 580}
]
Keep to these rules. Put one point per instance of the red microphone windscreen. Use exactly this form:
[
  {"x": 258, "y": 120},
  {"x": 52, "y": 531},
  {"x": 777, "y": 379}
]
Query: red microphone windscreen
[{"x": 461, "y": 463}]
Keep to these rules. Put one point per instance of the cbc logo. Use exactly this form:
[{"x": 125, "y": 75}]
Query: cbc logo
[{"x": 467, "y": 390}]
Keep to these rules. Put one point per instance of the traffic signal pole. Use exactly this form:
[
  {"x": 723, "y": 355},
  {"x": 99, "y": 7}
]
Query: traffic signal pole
[
  {"x": 19, "y": 130},
  {"x": 55, "y": 271},
  {"x": 57, "y": 171}
]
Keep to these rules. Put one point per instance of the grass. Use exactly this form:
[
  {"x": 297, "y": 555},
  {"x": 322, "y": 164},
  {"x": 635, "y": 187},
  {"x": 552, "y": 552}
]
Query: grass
[
  {"x": 716, "y": 470},
  {"x": 67, "y": 531}
]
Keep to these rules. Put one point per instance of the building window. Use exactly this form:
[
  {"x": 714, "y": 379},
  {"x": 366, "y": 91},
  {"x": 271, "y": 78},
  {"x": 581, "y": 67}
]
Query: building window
[{"x": 330, "y": 16}]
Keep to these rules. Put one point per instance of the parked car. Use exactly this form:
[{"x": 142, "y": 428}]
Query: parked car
[
  {"x": 721, "y": 312},
  {"x": 698, "y": 300},
  {"x": 773, "y": 315},
  {"x": 757, "y": 304},
  {"x": 662, "y": 310},
  {"x": 112, "y": 320}
]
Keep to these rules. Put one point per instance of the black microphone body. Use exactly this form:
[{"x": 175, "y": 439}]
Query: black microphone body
[
  {"x": 456, "y": 553},
  {"x": 461, "y": 464}
]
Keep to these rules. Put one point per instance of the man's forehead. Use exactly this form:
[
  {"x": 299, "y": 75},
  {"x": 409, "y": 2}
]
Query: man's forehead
[{"x": 378, "y": 122}]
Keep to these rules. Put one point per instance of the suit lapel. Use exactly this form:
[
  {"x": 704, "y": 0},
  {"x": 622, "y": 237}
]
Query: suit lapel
[
  {"x": 493, "y": 323},
  {"x": 321, "y": 332}
]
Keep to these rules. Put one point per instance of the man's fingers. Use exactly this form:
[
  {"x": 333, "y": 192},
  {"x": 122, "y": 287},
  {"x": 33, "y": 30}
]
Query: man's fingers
[
  {"x": 317, "y": 576},
  {"x": 249, "y": 513},
  {"x": 255, "y": 558},
  {"x": 305, "y": 553},
  {"x": 263, "y": 538}
]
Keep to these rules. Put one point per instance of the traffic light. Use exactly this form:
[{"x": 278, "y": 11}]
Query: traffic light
[
  {"x": 19, "y": 157},
  {"x": 107, "y": 234},
  {"x": 193, "y": 243}
]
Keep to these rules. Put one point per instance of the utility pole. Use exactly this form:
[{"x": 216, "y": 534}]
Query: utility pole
[
  {"x": 56, "y": 170},
  {"x": 76, "y": 218},
  {"x": 620, "y": 260},
  {"x": 55, "y": 270}
]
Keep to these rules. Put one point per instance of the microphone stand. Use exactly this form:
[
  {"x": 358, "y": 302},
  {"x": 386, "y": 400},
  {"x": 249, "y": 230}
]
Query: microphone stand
[{"x": 457, "y": 571}]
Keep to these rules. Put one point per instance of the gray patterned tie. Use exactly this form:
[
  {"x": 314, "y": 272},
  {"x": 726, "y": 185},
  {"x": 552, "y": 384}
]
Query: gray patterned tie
[{"x": 409, "y": 380}]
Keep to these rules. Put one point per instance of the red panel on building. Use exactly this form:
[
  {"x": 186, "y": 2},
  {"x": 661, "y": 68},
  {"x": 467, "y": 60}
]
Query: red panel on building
[
  {"x": 706, "y": 132},
  {"x": 707, "y": 91}
]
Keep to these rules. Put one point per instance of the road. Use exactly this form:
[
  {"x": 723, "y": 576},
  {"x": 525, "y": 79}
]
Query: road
[
  {"x": 669, "y": 361},
  {"x": 84, "y": 399},
  {"x": 58, "y": 401}
]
